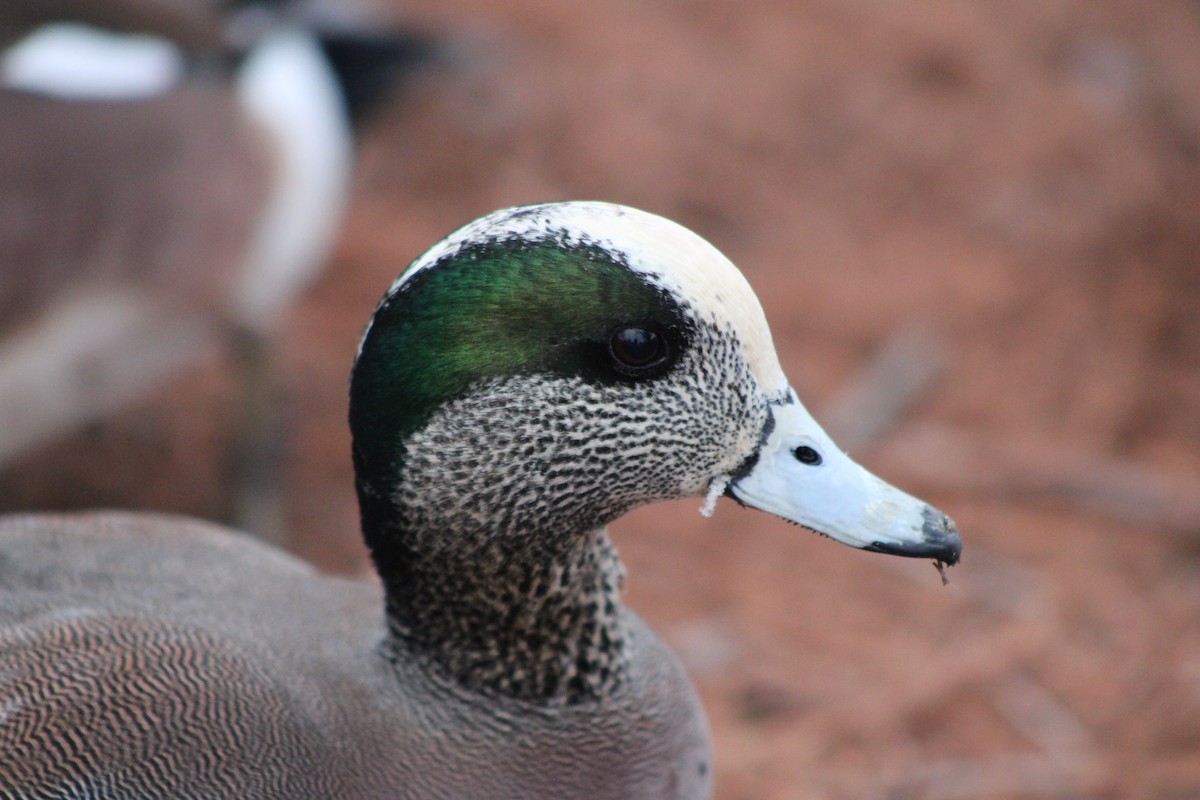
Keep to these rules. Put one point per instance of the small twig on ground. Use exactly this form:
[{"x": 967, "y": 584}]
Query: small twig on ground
[
  {"x": 896, "y": 375},
  {"x": 1042, "y": 718},
  {"x": 1032, "y": 468},
  {"x": 1002, "y": 775},
  {"x": 86, "y": 359}
]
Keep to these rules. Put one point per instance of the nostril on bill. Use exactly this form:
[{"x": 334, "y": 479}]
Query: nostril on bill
[{"x": 806, "y": 455}]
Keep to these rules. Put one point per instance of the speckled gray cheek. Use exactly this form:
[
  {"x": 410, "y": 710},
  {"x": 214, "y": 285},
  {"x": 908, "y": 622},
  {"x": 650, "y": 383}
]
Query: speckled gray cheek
[
  {"x": 524, "y": 453},
  {"x": 504, "y": 491}
]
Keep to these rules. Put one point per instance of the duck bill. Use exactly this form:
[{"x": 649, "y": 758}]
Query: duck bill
[{"x": 802, "y": 476}]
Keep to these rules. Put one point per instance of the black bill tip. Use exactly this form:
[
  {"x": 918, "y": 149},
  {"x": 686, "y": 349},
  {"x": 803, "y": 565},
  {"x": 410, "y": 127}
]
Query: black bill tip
[{"x": 939, "y": 540}]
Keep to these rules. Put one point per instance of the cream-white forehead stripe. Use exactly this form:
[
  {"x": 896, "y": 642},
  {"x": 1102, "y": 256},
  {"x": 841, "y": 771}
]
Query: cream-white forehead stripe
[{"x": 668, "y": 254}]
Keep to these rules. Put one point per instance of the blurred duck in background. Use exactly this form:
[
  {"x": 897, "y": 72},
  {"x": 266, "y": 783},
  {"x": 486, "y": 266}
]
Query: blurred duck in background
[
  {"x": 159, "y": 195},
  {"x": 193, "y": 25}
]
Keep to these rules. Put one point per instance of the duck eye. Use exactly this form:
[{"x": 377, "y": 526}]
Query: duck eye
[
  {"x": 806, "y": 455},
  {"x": 636, "y": 350}
]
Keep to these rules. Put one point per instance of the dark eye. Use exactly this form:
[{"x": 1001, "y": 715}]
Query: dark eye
[
  {"x": 637, "y": 350},
  {"x": 806, "y": 455}
]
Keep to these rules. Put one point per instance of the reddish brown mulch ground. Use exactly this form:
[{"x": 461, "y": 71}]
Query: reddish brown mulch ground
[{"x": 1016, "y": 185}]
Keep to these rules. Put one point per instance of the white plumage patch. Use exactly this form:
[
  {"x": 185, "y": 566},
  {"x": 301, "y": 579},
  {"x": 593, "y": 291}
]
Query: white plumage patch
[
  {"x": 669, "y": 255},
  {"x": 288, "y": 86},
  {"x": 716, "y": 488},
  {"x": 79, "y": 62}
]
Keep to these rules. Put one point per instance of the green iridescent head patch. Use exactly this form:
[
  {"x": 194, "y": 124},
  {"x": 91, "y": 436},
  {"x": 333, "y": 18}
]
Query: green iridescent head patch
[{"x": 509, "y": 306}]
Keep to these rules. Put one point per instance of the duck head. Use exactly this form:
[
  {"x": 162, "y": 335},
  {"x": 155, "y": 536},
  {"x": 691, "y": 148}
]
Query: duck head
[{"x": 546, "y": 368}]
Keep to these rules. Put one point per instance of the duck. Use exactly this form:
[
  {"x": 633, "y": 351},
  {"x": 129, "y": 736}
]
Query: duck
[
  {"x": 525, "y": 382},
  {"x": 159, "y": 204}
]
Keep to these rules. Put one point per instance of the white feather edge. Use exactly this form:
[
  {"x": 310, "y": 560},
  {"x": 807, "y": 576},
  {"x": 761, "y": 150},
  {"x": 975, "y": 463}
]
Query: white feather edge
[
  {"x": 288, "y": 87},
  {"x": 72, "y": 61},
  {"x": 666, "y": 253}
]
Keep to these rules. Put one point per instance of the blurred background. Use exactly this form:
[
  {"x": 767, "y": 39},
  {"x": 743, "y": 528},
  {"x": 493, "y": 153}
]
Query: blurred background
[{"x": 975, "y": 229}]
